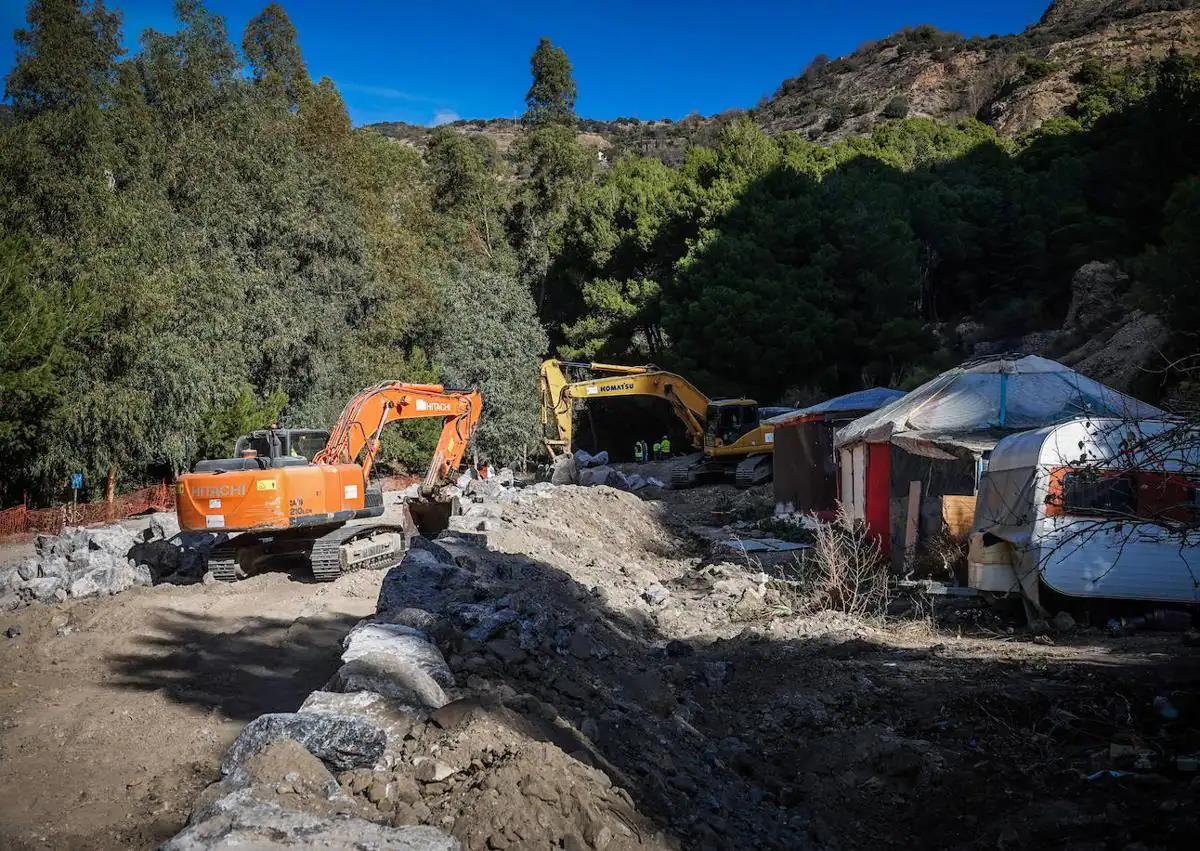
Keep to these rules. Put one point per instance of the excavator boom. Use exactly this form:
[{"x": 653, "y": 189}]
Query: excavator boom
[
  {"x": 359, "y": 428},
  {"x": 558, "y": 392}
]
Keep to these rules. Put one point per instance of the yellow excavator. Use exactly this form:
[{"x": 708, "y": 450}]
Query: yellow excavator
[{"x": 733, "y": 442}]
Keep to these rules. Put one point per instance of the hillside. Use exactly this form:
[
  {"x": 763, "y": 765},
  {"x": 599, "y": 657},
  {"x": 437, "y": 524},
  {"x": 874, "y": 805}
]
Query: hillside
[{"x": 1013, "y": 82}]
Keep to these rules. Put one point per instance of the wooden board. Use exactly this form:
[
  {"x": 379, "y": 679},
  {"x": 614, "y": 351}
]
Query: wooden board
[
  {"x": 958, "y": 513},
  {"x": 912, "y": 524}
]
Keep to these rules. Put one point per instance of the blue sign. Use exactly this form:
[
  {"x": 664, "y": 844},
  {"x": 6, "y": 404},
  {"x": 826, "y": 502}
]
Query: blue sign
[{"x": 76, "y": 481}]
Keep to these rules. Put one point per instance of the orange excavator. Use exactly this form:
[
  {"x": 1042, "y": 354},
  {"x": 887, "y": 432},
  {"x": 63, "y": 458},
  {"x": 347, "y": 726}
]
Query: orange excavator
[{"x": 283, "y": 504}]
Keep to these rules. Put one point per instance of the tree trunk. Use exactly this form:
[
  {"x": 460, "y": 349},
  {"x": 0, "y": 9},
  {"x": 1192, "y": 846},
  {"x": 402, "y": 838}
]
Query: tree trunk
[{"x": 110, "y": 489}]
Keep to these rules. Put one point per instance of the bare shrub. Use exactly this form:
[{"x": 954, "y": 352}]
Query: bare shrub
[{"x": 846, "y": 570}]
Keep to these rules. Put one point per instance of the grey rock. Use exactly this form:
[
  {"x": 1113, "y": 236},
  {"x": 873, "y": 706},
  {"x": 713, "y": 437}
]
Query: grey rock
[
  {"x": 29, "y": 569},
  {"x": 371, "y": 707},
  {"x": 242, "y": 821},
  {"x": 13, "y": 631},
  {"x": 53, "y": 545},
  {"x": 655, "y": 594},
  {"x": 9, "y": 600},
  {"x": 581, "y": 645},
  {"x": 403, "y": 680},
  {"x": 603, "y": 476},
  {"x": 111, "y": 539},
  {"x": 103, "y": 581},
  {"x": 55, "y": 566},
  {"x": 340, "y": 741},
  {"x": 488, "y": 622},
  {"x": 584, "y": 460},
  {"x": 409, "y": 616},
  {"x": 402, "y": 642},
  {"x": 162, "y": 526},
  {"x": 41, "y": 588},
  {"x": 430, "y": 770},
  {"x": 86, "y": 560},
  {"x": 563, "y": 471}
]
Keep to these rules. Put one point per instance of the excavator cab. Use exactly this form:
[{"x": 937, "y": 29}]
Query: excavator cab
[
  {"x": 268, "y": 449},
  {"x": 275, "y": 443},
  {"x": 729, "y": 420}
]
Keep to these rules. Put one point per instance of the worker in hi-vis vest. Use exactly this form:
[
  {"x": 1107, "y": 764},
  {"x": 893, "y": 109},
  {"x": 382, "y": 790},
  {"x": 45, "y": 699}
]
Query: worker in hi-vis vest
[
  {"x": 639, "y": 453},
  {"x": 657, "y": 450},
  {"x": 666, "y": 446}
]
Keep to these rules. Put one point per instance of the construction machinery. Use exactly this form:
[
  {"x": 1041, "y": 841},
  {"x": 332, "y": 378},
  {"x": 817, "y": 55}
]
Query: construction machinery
[
  {"x": 303, "y": 493},
  {"x": 733, "y": 442}
]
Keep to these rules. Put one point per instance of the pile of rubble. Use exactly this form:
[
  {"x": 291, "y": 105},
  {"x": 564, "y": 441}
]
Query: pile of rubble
[
  {"x": 91, "y": 562},
  {"x": 508, "y": 662},
  {"x": 400, "y": 750},
  {"x": 589, "y": 470}
]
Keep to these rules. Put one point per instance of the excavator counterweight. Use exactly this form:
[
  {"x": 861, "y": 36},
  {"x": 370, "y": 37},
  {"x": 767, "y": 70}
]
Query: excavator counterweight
[{"x": 277, "y": 502}]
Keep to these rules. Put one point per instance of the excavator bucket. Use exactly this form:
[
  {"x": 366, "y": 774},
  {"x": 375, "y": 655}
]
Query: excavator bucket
[{"x": 430, "y": 516}]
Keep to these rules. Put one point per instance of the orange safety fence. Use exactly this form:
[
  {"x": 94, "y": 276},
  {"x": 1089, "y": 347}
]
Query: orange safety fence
[
  {"x": 21, "y": 520},
  {"x": 161, "y": 497}
]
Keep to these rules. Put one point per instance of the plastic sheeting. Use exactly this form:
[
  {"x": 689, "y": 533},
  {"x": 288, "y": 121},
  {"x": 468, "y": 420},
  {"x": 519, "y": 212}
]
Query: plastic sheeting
[
  {"x": 860, "y": 400},
  {"x": 971, "y": 407}
]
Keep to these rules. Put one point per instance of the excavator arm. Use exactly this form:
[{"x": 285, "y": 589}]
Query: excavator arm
[
  {"x": 361, "y": 424},
  {"x": 688, "y": 403}
]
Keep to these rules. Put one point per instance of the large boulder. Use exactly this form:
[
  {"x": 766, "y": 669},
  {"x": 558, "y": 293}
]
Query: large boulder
[
  {"x": 242, "y": 821},
  {"x": 375, "y": 708},
  {"x": 42, "y": 589},
  {"x": 402, "y": 642},
  {"x": 563, "y": 470},
  {"x": 400, "y": 678},
  {"x": 108, "y": 578},
  {"x": 341, "y": 742}
]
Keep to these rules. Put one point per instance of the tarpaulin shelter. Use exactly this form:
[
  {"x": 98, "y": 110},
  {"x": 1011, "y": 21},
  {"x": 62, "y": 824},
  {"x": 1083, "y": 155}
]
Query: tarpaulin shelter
[
  {"x": 941, "y": 433},
  {"x": 1091, "y": 508},
  {"x": 805, "y": 461}
]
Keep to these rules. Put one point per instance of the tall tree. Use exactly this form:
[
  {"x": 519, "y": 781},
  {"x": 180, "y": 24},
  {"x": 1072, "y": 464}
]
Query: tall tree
[
  {"x": 468, "y": 188},
  {"x": 551, "y": 98},
  {"x": 492, "y": 339},
  {"x": 66, "y": 57},
  {"x": 272, "y": 51}
]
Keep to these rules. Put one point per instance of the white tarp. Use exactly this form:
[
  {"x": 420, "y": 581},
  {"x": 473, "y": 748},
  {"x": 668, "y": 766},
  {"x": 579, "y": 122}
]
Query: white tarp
[{"x": 972, "y": 406}]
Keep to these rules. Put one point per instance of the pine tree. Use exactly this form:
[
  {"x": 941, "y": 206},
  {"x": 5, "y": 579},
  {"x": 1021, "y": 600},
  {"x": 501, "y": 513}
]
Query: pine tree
[{"x": 551, "y": 98}]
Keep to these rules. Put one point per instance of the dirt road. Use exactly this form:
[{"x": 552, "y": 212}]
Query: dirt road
[{"x": 114, "y": 712}]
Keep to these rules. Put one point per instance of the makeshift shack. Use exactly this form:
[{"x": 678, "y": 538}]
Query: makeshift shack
[
  {"x": 805, "y": 460},
  {"x": 913, "y": 466},
  {"x": 1099, "y": 508}
]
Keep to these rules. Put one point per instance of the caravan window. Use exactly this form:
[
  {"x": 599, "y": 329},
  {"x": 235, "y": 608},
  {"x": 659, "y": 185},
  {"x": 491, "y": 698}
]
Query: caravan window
[{"x": 1088, "y": 492}]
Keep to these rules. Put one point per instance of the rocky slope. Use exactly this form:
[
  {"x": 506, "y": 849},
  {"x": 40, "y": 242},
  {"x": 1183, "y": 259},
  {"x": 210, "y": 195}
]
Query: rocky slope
[{"x": 1014, "y": 82}]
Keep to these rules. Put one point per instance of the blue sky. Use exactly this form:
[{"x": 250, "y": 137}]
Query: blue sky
[{"x": 416, "y": 61}]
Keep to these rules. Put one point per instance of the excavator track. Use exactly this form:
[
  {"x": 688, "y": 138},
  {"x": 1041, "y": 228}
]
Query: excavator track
[
  {"x": 751, "y": 471},
  {"x": 223, "y": 563},
  {"x": 326, "y": 557}
]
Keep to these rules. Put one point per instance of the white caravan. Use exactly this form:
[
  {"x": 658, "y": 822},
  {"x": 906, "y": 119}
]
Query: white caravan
[{"x": 1097, "y": 508}]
